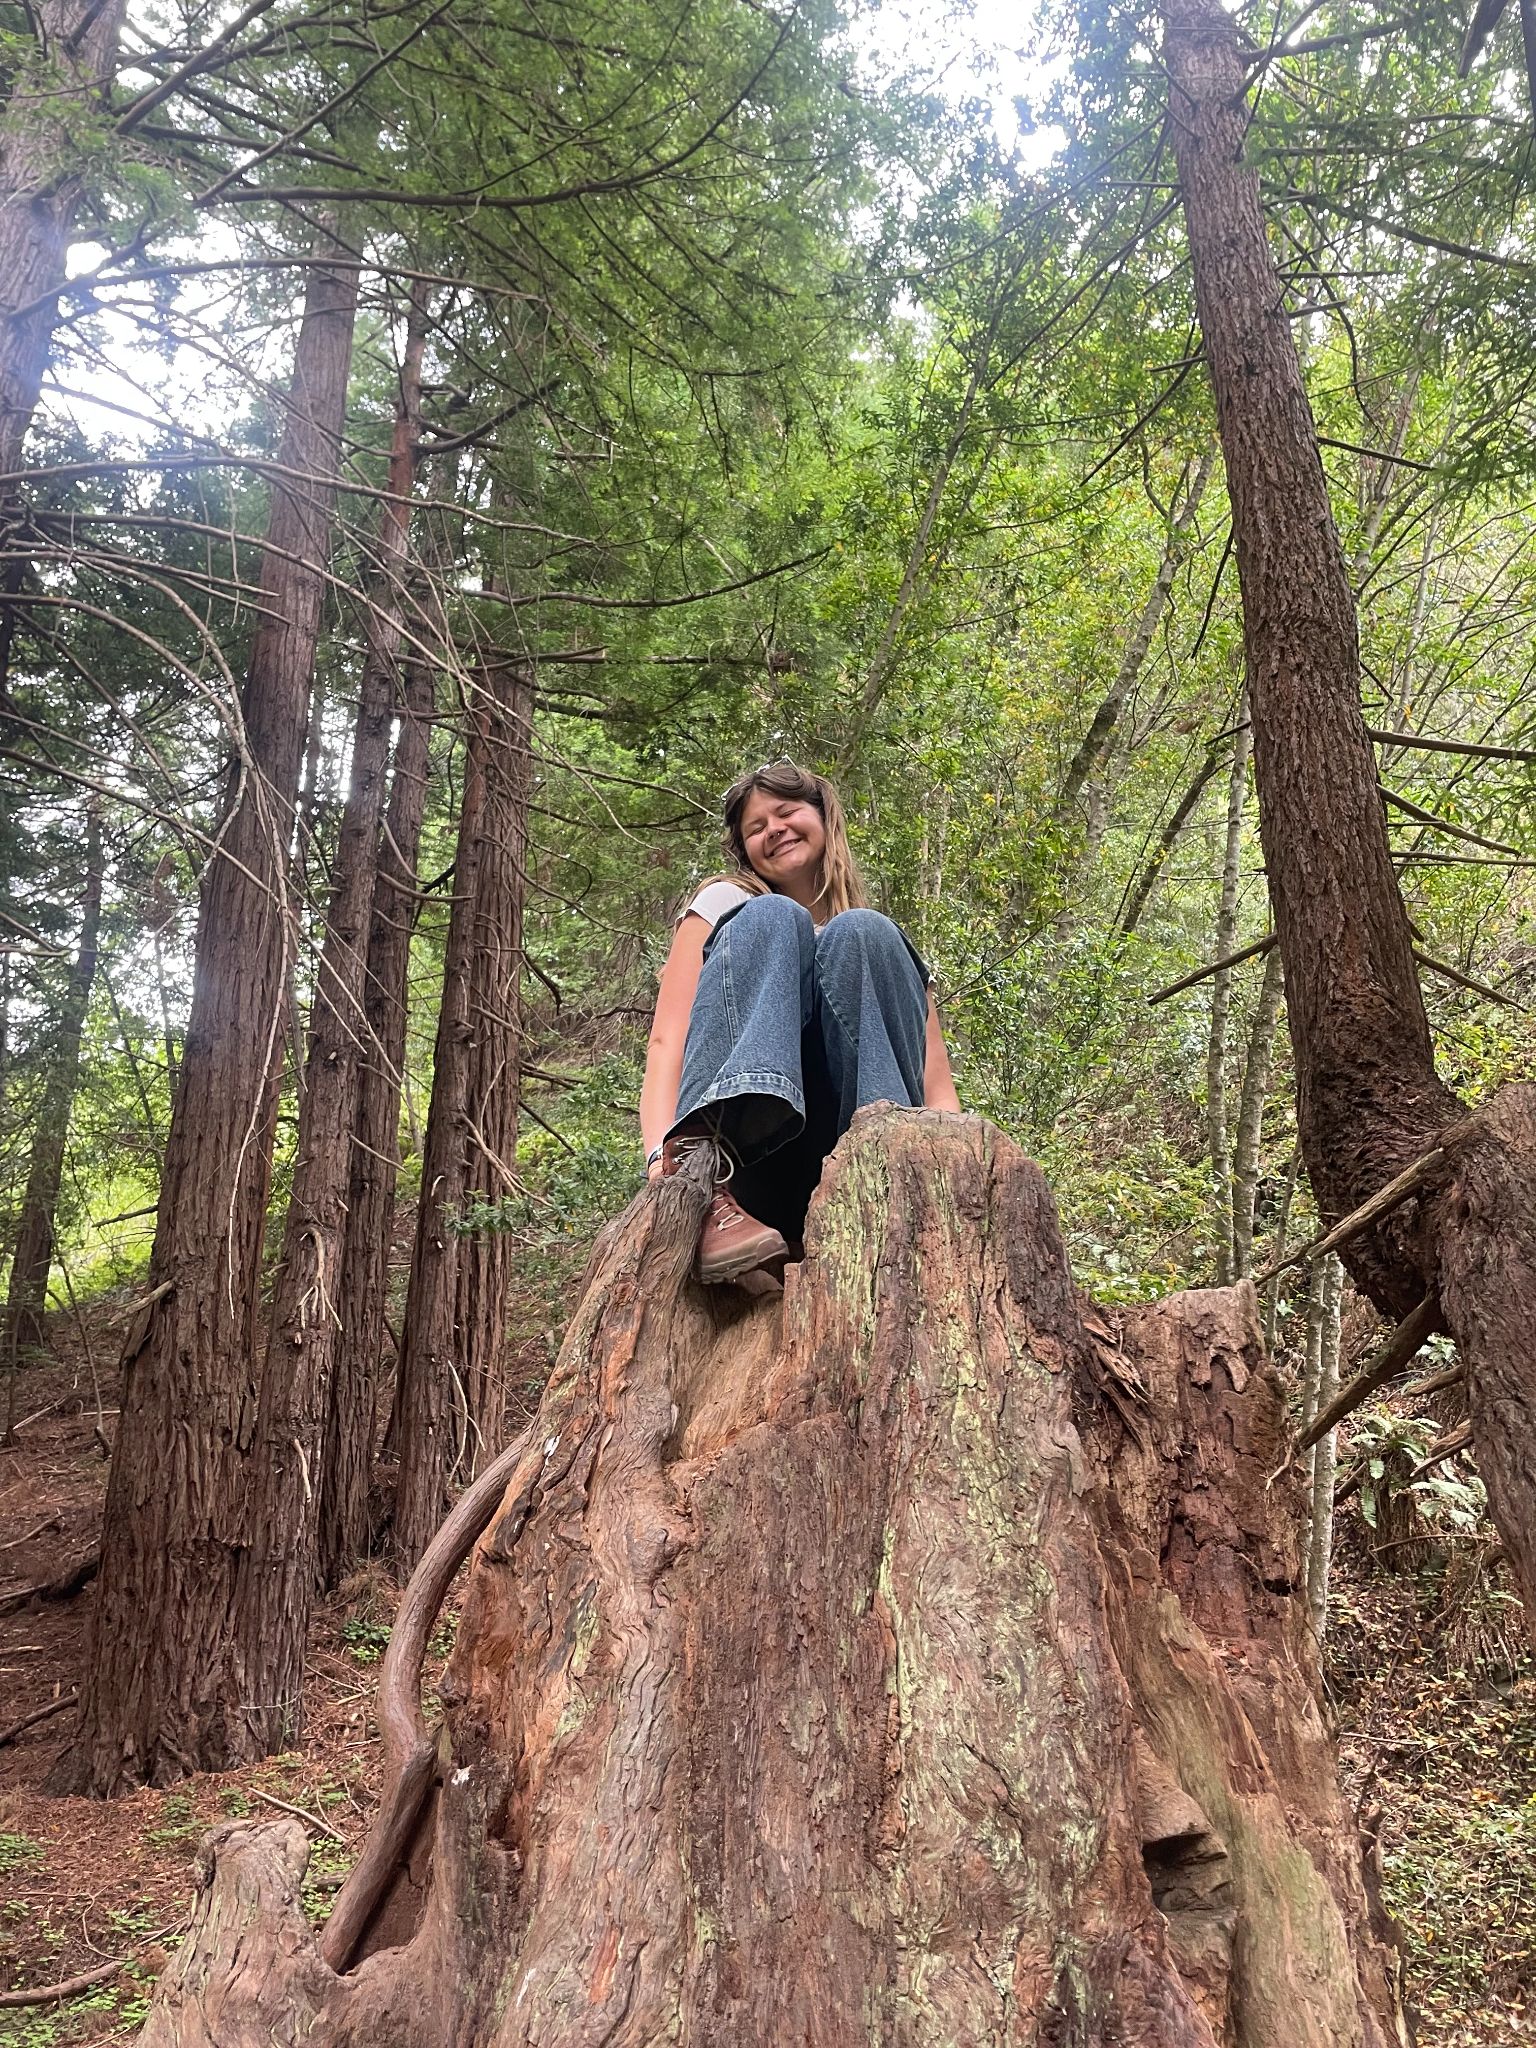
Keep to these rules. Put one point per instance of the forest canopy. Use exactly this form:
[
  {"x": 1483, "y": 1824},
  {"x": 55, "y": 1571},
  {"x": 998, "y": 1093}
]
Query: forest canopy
[{"x": 444, "y": 442}]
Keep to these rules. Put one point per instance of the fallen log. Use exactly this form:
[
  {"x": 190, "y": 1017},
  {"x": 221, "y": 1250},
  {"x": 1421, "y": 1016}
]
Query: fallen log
[{"x": 853, "y": 1669}]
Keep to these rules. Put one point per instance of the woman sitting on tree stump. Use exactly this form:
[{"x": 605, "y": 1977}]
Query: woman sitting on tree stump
[{"x": 785, "y": 1005}]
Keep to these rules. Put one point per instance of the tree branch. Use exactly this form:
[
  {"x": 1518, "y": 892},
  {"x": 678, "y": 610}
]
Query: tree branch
[{"x": 1399, "y": 1351}]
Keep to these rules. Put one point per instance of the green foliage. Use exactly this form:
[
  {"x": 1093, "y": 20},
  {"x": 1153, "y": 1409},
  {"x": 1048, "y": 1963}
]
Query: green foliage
[
  {"x": 1391, "y": 1446},
  {"x": 18, "y": 1852},
  {"x": 367, "y": 1639},
  {"x": 178, "y": 1825}
]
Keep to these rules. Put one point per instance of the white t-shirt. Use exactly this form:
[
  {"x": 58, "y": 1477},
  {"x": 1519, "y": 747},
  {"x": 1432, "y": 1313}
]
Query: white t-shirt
[{"x": 715, "y": 899}]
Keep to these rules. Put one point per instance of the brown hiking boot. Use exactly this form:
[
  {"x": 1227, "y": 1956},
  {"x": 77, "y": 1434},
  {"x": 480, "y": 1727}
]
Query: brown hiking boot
[{"x": 731, "y": 1242}]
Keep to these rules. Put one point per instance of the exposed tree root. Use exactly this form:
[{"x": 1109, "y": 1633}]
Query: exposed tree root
[
  {"x": 65, "y": 1583},
  {"x": 44, "y": 1713},
  {"x": 71, "y": 1987},
  {"x": 410, "y": 1752}
]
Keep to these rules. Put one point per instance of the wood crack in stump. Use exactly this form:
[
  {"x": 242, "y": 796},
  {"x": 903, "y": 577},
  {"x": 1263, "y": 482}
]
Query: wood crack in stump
[{"x": 860, "y": 1672}]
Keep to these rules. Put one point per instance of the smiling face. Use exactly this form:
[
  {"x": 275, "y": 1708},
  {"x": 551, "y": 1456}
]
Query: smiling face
[{"x": 785, "y": 838}]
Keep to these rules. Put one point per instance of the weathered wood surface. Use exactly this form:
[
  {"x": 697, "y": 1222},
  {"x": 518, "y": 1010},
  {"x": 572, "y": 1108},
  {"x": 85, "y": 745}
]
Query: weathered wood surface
[{"x": 914, "y": 1660}]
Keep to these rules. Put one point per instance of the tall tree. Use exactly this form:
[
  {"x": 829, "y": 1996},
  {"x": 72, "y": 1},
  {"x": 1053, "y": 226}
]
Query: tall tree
[
  {"x": 449, "y": 1392},
  {"x": 484, "y": 1269},
  {"x": 68, "y": 53},
  {"x": 164, "y": 1688},
  {"x": 280, "y": 1567},
  {"x": 1370, "y": 1105},
  {"x": 375, "y": 1163},
  {"x": 32, "y": 1254},
  {"x": 422, "y": 1423}
]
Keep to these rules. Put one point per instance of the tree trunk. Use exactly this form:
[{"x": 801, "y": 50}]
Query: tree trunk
[
  {"x": 1217, "y": 1132},
  {"x": 345, "y": 1523},
  {"x": 1248, "y": 1143},
  {"x": 484, "y": 1270},
  {"x": 1368, "y": 1099},
  {"x": 281, "y": 1568},
  {"x": 449, "y": 1392},
  {"x": 60, "y": 59},
  {"x": 1282, "y": 1231},
  {"x": 1095, "y": 742},
  {"x": 909, "y": 1658},
  {"x": 32, "y": 1256},
  {"x": 57, "y": 84},
  {"x": 1367, "y": 1094},
  {"x": 422, "y": 1422},
  {"x": 165, "y": 1688}
]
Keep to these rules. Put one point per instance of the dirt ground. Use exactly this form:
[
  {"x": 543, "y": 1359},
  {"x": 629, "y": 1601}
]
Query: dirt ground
[
  {"x": 82, "y": 1882},
  {"x": 1434, "y": 1697}
]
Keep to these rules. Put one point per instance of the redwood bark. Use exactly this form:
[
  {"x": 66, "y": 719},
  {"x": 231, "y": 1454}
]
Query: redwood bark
[
  {"x": 423, "y": 1425},
  {"x": 71, "y": 61},
  {"x": 1367, "y": 1096},
  {"x": 345, "y": 1523},
  {"x": 484, "y": 1269},
  {"x": 1368, "y": 1099},
  {"x": 165, "y": 1686},
  {"x": 449, "y": 1393},
  {"x": 281, "y": 1567},
  {"x": 912, "y": 1658},
  {"x": 32, "y": 1255}
]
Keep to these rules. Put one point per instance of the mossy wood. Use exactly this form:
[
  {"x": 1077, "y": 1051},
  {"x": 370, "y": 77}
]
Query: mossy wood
[{"x": 917, "y": 1658}]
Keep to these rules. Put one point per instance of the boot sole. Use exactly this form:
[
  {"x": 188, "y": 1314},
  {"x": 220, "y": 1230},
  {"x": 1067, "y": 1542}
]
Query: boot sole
[{"x": 748, "y": 1261}]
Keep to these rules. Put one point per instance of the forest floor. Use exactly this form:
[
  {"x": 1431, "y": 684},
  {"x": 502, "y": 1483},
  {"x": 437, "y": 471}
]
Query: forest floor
[{"x": 1436, "y": 1710}]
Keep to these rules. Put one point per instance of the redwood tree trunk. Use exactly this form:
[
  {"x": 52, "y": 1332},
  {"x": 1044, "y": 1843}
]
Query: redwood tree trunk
[
  {"x": 350, "y": 1423},
  {"x": 449, "y": 1392},
  {"x": 345, "y": 1525},
  {"x": 484, "y": 1268},
  {"x": 911, "y": 1658},
  {"x": 72, "y": 59},
  {"x": 1368, "y": 1099},
  {"x": 281, "y": 1567},
  {"x": 165, "y": 1686},
  {"x": 422, "y": 1424},
  {"x": 32, "y": 1257}
]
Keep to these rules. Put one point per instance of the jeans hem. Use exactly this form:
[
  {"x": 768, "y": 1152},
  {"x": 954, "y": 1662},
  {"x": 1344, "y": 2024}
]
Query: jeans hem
[
  {"x": 730, "y": 1085},
  {"x": 755, "y": 1143}
]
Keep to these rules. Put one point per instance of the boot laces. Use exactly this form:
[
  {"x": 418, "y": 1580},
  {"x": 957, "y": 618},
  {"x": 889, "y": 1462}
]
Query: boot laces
[
  {"x": 727, "y": 1211},
  {"x": 723, "y": 1166}
]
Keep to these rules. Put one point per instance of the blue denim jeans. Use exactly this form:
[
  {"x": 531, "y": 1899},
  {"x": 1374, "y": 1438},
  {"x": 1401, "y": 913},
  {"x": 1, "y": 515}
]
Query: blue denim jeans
[{"x": 794, "y": 1027}]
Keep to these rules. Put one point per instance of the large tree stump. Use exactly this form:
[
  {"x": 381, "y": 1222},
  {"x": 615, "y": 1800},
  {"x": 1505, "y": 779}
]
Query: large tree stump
[{"x": 916, "y": 1659}]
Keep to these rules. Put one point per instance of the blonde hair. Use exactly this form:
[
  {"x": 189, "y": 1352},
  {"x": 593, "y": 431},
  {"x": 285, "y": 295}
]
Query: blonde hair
[{"x": 842, "y": 886}]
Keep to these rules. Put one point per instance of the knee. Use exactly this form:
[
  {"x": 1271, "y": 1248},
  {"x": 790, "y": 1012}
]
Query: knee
[
  {"x": 865, "y": 930},
  {"x": 779, "y": 914}
]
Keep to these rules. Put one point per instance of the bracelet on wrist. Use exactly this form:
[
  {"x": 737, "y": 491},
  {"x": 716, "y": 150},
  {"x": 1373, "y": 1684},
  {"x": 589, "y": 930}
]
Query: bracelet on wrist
[{"x": 652, "y": 1156}]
